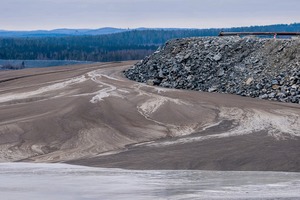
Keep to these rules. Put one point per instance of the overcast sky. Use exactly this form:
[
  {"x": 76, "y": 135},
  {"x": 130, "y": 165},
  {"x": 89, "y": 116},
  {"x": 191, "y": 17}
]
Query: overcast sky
[{"x": 51, "y": 14}]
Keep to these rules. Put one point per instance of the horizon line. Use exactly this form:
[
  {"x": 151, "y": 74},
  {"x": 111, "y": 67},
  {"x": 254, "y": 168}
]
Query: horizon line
[{"x": 134, "y": 28}]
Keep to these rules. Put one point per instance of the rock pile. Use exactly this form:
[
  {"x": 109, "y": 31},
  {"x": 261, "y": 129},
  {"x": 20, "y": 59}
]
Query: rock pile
[{"x": 249, "y": 66}]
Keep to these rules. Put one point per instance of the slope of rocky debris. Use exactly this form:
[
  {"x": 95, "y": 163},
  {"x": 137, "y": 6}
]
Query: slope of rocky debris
[{"x": 249, "y": 66}]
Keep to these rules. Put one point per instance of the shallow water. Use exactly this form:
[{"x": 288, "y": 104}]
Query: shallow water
[
  {"x": 61, "y": 181},
  {"x": 42, "y": 63}
]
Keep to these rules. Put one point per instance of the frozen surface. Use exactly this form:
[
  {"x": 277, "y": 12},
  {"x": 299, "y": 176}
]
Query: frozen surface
[{"x": 61, "y": 181}]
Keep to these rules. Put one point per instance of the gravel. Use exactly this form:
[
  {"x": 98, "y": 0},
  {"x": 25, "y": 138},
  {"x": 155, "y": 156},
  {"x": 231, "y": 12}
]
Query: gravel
[{"x": 249, "y": 66}]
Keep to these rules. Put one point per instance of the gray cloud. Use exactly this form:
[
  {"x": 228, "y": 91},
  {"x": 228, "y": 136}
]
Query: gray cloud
[{"x": 49, "y": 14}]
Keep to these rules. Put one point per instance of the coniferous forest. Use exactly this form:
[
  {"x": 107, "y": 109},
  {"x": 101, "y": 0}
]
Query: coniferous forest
[{"x": 128, "y": 45}]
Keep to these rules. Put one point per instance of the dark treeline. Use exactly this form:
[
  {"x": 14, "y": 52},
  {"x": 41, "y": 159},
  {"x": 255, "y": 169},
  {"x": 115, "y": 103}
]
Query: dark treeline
[
  {"x": 130, "y": 45},
  {"x": 270, "y": 28}
]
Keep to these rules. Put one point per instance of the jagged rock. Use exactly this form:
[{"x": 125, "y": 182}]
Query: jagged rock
[
  {"x": 212, "y": 89},
  {"x": 217, "y": 57},
  {"x": 275, "y": 82},
  {"x": 272, "y": 95},
  {"x": 264, "y": 96},
  {"x": 221, "y": 72},
  {"x": 253, "y": 67},
  {"x": 249, "y": 81},
  {"x": 150, "y": 82},
  {"x": 187, "y": 56}
]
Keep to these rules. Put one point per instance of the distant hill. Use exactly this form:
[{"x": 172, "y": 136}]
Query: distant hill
[
  {"x": 110, "y": 30},
  {"x": 101, "y": 45},
  {"x": 61, "y": 32}
]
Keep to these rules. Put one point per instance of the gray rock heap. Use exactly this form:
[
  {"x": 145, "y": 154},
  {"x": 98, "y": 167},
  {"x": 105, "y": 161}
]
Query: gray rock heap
[{"x": 249, "y": 66}]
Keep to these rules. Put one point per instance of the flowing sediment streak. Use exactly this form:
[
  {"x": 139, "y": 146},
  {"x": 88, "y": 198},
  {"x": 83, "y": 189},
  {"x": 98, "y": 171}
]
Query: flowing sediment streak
[
  {"x": 154, "y": 102},
  {"x": 153, "y": 105},
  {"x": 54, "y": 87},
  {"x": 94, "y": 111},
  {"x": 106, "y": 92},
  {"x": 279, "y": 124},
  {"x": 62, "y": 84},
  {"x": 147, "y": 107}
]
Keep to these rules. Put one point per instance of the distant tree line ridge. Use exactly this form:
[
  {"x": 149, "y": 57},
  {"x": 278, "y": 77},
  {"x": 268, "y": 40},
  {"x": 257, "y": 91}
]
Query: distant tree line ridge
[{"x": 129, "y": 45}]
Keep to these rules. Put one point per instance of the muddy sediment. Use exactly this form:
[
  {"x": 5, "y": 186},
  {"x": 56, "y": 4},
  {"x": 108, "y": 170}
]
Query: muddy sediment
[{"x": 93, "y": 115}]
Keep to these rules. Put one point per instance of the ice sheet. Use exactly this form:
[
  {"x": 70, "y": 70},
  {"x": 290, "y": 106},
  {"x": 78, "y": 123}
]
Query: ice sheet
[{"x": 61, "y": 181}]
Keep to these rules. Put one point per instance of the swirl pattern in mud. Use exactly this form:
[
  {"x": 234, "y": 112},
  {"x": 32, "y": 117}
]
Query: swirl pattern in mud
[{"x": 92, "y": 115}]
